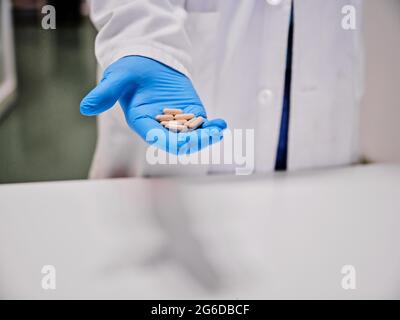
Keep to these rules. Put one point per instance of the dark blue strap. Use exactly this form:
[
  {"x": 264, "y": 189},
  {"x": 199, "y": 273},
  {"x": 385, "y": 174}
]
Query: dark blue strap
[{"x": 282, "y": 152}]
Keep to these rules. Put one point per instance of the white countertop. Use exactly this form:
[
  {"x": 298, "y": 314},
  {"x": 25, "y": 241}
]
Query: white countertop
[{"x": 277, "y": 236}]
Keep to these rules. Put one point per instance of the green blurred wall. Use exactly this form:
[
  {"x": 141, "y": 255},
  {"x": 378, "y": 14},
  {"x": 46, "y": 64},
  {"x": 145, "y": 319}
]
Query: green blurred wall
[{"x": 43, "y": 136}]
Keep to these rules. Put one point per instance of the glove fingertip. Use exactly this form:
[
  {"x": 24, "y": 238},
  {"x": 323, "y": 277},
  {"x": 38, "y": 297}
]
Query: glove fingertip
[{"x": 220, "y": 123}]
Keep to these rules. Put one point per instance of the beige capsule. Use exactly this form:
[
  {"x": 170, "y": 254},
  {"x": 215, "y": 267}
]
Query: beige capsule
[
  {"x": 176, "y": 122},
  {"x": 180, "y": 121},
  {"x": 172, "y": 111},
  {"x": 195, "y": 123},
  {"x": 186, "y": 116},
  {"x": 176, "y": 127},
  {"x": 164, "y": 117},
  {"x": 173, "y": 122}
]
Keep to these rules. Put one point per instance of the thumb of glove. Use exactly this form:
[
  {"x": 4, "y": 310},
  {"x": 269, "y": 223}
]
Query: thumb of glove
[{"x": 111, "y": 87}]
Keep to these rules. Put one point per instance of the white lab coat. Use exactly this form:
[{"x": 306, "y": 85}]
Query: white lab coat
[{"x": 235, "y": 53}]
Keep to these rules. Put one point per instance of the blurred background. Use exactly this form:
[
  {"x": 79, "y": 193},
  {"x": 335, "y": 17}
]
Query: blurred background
[
  {"x": 42, "y": 134},
  {"x": 45, "y": 73}
]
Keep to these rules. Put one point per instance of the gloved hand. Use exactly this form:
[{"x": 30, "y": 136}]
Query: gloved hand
[{"x": 144, "y": 87}]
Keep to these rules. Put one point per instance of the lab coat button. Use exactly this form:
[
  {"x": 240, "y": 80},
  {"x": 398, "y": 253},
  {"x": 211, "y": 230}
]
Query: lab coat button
[
  {"x": 265, "y": 96},
  {"x": 273, "y": 2}
]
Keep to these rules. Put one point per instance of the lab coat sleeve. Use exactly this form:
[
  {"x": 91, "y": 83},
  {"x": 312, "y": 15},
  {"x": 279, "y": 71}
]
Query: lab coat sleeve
[{"x": 150, "y": 28}]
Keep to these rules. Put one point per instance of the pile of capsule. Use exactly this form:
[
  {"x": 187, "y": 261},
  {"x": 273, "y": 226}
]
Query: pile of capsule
[{"x": 177, "y": 121}]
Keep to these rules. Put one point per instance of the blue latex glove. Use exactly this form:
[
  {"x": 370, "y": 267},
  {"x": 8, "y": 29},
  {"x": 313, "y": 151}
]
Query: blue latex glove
[{"x": 144, "y": 87}]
